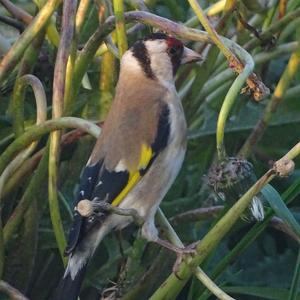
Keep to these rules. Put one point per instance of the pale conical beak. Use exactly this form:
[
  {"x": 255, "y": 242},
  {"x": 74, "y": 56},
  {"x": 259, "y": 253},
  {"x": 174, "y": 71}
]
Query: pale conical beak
[{"x": 190, "y": 55}]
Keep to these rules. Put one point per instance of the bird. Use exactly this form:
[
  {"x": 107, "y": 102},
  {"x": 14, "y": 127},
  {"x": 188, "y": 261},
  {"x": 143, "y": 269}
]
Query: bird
[{"x": 136, "y": 157}]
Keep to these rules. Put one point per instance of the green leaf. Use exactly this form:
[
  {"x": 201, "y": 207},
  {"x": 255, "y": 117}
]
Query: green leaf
[
  {"x": 261, "y": 292},
  {"x": 296, "y": 280},
  {"x": 280, "y": 208}
]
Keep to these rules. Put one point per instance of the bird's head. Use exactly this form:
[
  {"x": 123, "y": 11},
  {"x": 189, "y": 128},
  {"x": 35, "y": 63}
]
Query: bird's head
[{"x": 158, "y": 56}]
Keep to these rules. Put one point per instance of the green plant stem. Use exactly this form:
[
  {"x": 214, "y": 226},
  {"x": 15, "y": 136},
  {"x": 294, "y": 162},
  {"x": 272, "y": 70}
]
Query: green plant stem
[
  {"x": 227, "y": 15},
  {"x": 40, "y": 98},
  {"x": 35, "y": 132},
  {"x": 51, "y": 30},
  {"x": 196, "y": 215},
  {"x": 175, "y": 240},
  {"x": 81, "y": 15},
  {"x": 228, "y": 103},
  {"x": 289, "y": 30},
  {"x": 17, "y": 12},
  {"x": 203, "y": 278},
  {"x": 292, "y": 5},
  {"x": 79, "y": 22},
  {"x": 16, "y": 51},
  {"x": 212, "y": 10},
  {"x": 87, "y": 54},
  {"x": 211, "y": 31},
  {"x": 296, "y": 280},
  {"x": 68, "y": 100},
  {"x": 13, "y": 23},
  {"x": 59, "y": 88},
  {"x": 20, "y": 175},
  {"x": 2, "y": 248},
  {"x": 149, "y": 278},
  {"x": 172, "y": 285},
  {"x": 259, "y": 90},
  {"x": 41, "y": 104},
  {"x": 269, "y": 17},
  {"x": 120, "y": 26},
  {"x": 275, "y": 27},
  {"x": 17, "y": 107},
  {"x": 26, "y": 66},
  {"x": 35, "y": 184},
  {"x": 273, "y": 104},
  {"x": 106, "y": 84}
]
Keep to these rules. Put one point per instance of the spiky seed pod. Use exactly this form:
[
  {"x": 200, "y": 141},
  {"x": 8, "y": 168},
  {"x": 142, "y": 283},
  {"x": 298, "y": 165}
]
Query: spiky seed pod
[{"x": 230, "y": 179}]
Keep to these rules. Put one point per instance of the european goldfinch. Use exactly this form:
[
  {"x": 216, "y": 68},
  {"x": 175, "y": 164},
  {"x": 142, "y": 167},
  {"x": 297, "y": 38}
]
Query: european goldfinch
[{"x": 138, "y": 154}]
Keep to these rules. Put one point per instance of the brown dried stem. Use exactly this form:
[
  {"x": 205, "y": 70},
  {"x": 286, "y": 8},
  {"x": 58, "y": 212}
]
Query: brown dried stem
[
  {"x": 64, "y": 49},
  {"x": 17, "y": 12}
]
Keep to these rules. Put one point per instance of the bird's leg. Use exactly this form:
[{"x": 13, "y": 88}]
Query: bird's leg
[
  {"x": 150, "y": 233},
  {"x": 129, "y": 212}
]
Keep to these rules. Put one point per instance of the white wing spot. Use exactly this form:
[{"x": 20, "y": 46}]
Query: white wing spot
[
  {"x": 90, "y": 179},
  {"x": 121, "y": 166},
  {"x": 81, "y": 193},
  {"x": 99, "y": 183}
]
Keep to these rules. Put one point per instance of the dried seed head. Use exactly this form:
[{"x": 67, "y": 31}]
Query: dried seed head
[
  {"x": 85, "y": 208},
  {"x": 284, "y": 167},
  {"x": 232, "y": 178},
  {"x": 229, "y": 172}
]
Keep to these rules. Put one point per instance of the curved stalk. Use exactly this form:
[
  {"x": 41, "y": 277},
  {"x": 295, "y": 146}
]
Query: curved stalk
[
  {"x": 41, "y": 104},
  {"x": 35, "y": 132},
  {"x": 228, "y": 103}
]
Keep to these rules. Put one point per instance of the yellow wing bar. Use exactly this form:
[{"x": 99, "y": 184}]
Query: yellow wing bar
[{"x": 134, "y": 177}]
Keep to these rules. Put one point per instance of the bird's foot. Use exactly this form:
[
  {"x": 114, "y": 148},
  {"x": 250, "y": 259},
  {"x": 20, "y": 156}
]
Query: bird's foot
[{"x": 181, "y": 253}]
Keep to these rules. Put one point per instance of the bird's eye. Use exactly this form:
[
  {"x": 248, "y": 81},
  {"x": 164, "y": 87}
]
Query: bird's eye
[{"x": 173, "y": 50}]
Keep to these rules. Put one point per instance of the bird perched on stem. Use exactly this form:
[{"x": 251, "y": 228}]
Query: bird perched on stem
[{"x": 137, "y": 156}]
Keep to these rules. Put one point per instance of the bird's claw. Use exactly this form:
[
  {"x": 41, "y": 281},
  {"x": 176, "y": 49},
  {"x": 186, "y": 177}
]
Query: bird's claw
[{"x": 181, "y": 254}]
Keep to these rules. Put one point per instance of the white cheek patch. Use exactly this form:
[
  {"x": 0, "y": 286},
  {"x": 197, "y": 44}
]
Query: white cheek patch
[
  {"x": 161, "y": 64},
  {"x": 157, "y": 46},
  {"x": 130, "y": 62}
]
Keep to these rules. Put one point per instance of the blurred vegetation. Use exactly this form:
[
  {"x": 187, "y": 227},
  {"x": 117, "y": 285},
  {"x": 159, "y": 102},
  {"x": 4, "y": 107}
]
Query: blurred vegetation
[{"x": 60, "y": 63}]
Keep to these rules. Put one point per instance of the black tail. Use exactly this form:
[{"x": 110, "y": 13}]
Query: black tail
[{"x": 68, "y": 288}]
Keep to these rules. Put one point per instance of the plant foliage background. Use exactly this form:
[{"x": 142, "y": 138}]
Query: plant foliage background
[{"x": 253, "y": 260}]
